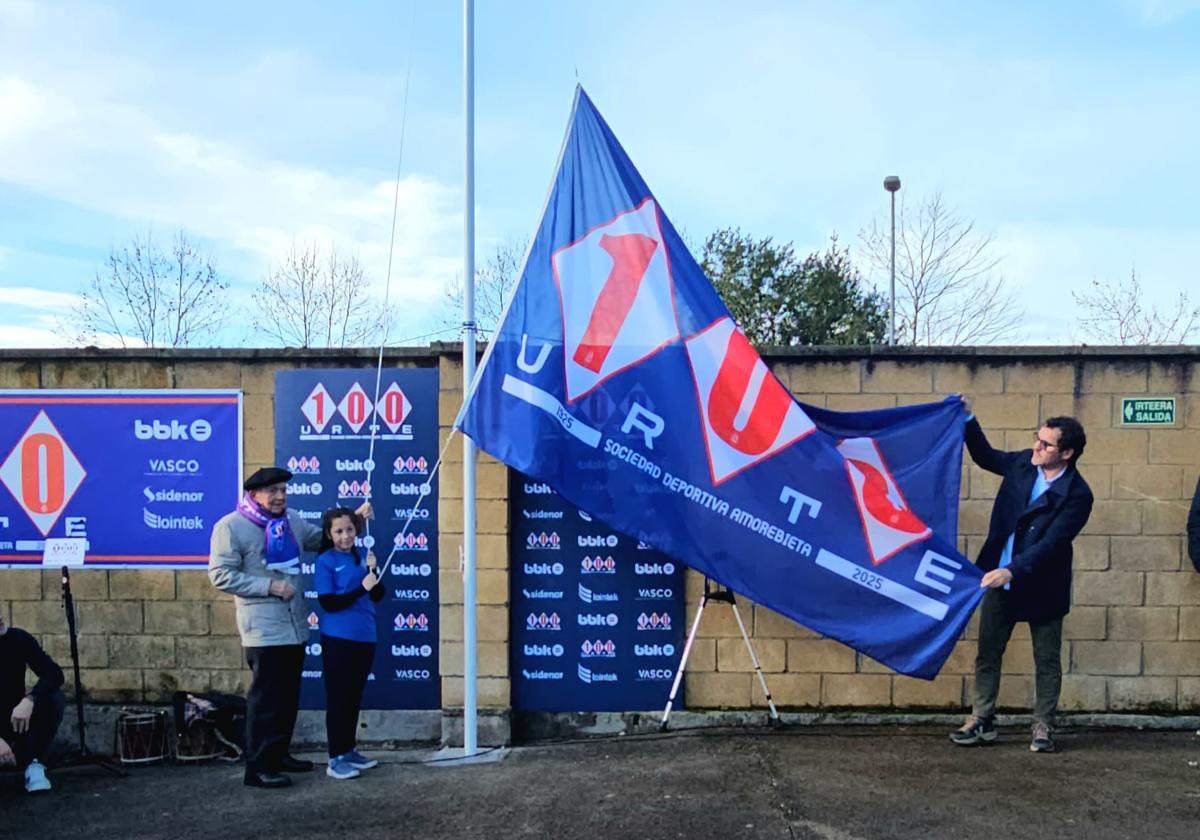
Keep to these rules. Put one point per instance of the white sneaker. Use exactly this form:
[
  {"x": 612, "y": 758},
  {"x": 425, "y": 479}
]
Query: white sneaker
[{"x": 35, "y": 777}]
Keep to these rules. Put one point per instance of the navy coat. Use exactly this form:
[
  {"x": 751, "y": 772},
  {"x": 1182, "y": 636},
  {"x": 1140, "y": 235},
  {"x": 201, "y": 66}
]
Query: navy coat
[
  {"x": 1041, "y": 562},
  {"x": 1193, "y": 529}
]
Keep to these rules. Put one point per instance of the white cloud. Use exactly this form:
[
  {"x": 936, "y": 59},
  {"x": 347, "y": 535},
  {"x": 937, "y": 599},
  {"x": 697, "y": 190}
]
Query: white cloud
[{"x": 36, "y": 298}]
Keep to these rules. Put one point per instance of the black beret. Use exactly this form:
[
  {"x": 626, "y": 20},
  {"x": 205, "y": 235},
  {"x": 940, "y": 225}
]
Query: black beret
[{"x": 266, "y": 477}]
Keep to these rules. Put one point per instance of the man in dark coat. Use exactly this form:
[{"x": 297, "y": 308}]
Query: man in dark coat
[
  {"x": 1042, "y": 504},
  {"x": 1193, "y": 529}
]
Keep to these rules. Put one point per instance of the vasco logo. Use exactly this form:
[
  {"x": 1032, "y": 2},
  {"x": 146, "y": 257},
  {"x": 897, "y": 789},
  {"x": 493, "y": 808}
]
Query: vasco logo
[
  {"x": 410, "y": 513},
  {"x": 412, "y": 569},
  {"x": 198, "y": 430},
  {"x": 411, "y": 594},
  {"x": 598, "y": 542},
  {"x": 655, "y": 673},
  {"x": 417, "y": 674},
  {"x": 544, "y": 650},
  {"x": 300, "y": 488},
  {"x": 597, "y": 620},
  {"x": 171, "y": 496},
  {"x": 174, "y": 466},
  {"x": 172, "y": 523},
  {"x": 659, "y": 594}
]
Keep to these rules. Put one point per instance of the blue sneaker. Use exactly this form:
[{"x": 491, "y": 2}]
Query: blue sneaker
[
  {"x": 341, "y": 769},
  {"x": 35, "y": 777},
  {"x": 359, "y": 761}
]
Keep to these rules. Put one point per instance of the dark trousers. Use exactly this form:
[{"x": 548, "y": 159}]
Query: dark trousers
[
  {"x": 995, "y": 629},
  {"x": 347, "y": 665},
  {"x": 272, "y": 704},
  {"x": 43, "y": 724}
]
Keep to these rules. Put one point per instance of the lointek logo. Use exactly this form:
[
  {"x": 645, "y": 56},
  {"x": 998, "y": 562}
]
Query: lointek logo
[
  {"x": 300, "y": 488},
  {"x": 654, "y": 650},
  {"x": 423, "y": 651},
  {"x": 597, "y": 620},
  {"x": 589, "y": 676},
  {"x": 538, "y": 489},
  {"x": 597, "y": 541},
  {"x": 544, "y": 569},
  {"x": 655, "y": 594},
  {"x": 598, "y": 648},
  {"x": 654, "y": 568},
  {"x": 198, "y": 430},
  {"x": 174, "y": 466},
  {"x": 171, "y": 496},
  {"x": 172, "y": 523},
  {"x": 544, "y": 650},
  {"x": 590, "y": 597},
  {"x": 412, "y": 569}
]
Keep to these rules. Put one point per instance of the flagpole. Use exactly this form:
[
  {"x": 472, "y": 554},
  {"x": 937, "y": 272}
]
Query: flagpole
[{"x": 469, "y": 723}]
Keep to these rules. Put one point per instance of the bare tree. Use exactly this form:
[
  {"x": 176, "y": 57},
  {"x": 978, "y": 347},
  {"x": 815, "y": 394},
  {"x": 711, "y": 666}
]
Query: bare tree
[
  {"x": 150, "y": 297},
  {"x": 1115, "y": 313},
  {"x": 493, "y": 282},
  {"x": 313, "y": 300},
  {"x": 947, "y": 291}
]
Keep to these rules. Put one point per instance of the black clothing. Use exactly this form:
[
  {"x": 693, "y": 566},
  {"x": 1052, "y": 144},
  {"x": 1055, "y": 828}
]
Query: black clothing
[
  {"x": 1044, "y": 529},
  {"x": 332, "y": 603},
  {"x": 265, "y": 477},
  {"x": 18, "y": 651},
  {"x": 43, "y": 725},
  {"x": 347, "y": 665},
  {"x": 271, "y": 704},
  {"x": 1193, "y": 529}
]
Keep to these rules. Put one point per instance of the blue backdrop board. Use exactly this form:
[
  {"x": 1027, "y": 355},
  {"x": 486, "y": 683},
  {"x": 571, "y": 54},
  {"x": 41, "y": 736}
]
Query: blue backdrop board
[
  {"x": 597, "y": 617},
  {"x": 323, "y": 421},
  {"x": 141, "y": 475}
]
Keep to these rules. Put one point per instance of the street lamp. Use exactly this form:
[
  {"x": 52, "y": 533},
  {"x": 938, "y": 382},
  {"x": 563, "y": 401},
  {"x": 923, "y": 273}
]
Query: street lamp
[{"x": 892, "y": 183}]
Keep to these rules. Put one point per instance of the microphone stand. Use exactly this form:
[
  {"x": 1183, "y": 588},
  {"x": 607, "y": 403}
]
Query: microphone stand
[{"x": 81, "y": 756}]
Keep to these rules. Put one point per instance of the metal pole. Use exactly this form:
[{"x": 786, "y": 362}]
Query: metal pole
[
  {"x": 469, "y": 723},
  {"x": 892, "y": 328}
]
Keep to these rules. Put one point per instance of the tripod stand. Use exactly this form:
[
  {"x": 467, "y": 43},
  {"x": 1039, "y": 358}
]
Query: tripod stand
[
  {"x": 82, "y": 755},
  {"x": 724, "y": 596}
]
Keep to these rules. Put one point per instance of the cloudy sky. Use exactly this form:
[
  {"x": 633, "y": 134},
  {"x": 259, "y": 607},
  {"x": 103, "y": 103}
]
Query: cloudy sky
[{"x": 1068, "y": 130}]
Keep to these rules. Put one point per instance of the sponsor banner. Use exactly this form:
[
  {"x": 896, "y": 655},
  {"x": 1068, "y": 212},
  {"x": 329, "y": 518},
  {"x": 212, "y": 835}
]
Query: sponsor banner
[
  {"x": 619, "y": 379},
  {"x": 323, "y": 421},
  {"x": 597, "y": 618},
  {"x": 140, "y": 475}
]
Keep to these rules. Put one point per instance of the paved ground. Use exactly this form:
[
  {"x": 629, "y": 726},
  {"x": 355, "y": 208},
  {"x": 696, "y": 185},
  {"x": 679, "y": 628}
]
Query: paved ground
[{"x": 830, "y": 784}]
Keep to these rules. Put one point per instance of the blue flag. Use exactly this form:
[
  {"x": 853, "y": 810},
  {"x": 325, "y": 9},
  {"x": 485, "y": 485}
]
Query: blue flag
[{"x": 619, "y": 378}]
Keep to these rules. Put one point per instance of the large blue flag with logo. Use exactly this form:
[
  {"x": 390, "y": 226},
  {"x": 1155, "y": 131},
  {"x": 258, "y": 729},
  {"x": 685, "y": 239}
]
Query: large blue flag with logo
[{"x": 616, "y": 348}]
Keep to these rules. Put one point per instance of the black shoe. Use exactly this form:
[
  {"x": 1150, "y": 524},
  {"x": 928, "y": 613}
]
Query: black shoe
[
  {"x": 1042, "y": 741},
  {"x": 267, "y": 780},
  {"x": 976, "y": 731},
  {"x": 291, "y": 764}
]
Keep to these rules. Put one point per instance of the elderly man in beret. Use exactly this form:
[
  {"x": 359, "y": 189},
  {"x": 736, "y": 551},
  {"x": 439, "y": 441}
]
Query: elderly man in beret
[{"x": 255, "y": 556}]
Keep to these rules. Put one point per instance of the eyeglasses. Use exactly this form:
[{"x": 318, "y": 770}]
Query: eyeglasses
[{"x": 1040, "y": 443}]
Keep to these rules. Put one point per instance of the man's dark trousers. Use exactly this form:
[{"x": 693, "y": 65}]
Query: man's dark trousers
[
  {"x": 43, "y": 725},
  {"x": 995, "y": 629},
  {"x": 271, "y": 705}
]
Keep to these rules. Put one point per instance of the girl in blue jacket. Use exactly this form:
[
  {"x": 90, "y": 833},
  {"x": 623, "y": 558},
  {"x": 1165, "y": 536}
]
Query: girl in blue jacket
[{"x": 347, "y": 591}]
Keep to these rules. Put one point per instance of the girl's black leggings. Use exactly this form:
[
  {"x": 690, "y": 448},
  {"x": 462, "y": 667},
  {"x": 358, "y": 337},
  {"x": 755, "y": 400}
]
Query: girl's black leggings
[{"x": 346, "y": 665}]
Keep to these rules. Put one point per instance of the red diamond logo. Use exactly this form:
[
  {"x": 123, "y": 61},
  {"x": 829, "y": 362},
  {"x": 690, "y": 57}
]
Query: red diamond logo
[
  {"x": 318, "y": 408},
  {"x": 42, "y": 473},
  {"x": 355, "y": 407},
  {"x": 393, "y": 407}
]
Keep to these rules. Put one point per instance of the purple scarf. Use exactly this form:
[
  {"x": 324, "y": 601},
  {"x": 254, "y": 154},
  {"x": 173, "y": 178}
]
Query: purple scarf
[{"x": 282, "y": 552}]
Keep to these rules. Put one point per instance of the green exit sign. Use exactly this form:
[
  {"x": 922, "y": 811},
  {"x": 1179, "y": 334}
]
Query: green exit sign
[{"x": 1148, "y": 411}]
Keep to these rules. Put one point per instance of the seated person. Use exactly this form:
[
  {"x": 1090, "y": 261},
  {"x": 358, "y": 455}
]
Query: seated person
[{"x": 28, "y": 720}]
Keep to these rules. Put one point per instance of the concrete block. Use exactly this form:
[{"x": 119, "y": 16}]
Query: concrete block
[
  {"x": 1116, "y": 446},
  {"x": 732, "y": 655},
  {"x": 214, "y": 374},
  {"x": 824, "y": 377},
  {"x": 195, "y": 586},
  {"x": 1109, "y": 588},
  {"x": 145, "y": 652},
  {"x": 141, "y": 584},
  {"x": 1146, "y": 554},
  {"x": 1114, "y": 518},
  {"x": 73, "y": 373},
  {"x": 93, "y": 651},
  {"x": 493, "y": 727},
  {"x": 1175, "y": 659},
  {"x": 491, "y": 659},
  {"x": 974, "y": 516},
  {"x": 231, "y": 681},
  {"x": 1189, "y": 623},
  {"x": 1039, "y": 378},
  {"x": 1100, "y": 478},
  {"x": 490, "y": 692},
  {"x": 222, "y": 618},
  {"x": 258, "y": 414},
  {"x": 1173, "y": 376},
  {"x": 20, "y": 375},
  {"x": 39, "y": 617},
  {"x": 1175, "y": 446},
  {"x": 1145, "y": 695},
  {"x": 109, "y": 685},
  {"x": 788, "y": 691},
  {"x": 703, "y": 656},
  {"x": 968, "y": 378},
  {"x": 1189, "y": 694},
  {"x": 86, "y": 584},
  {"x": 1083, "y": 693},
  {"x": 491, "y": 517},
  {"x": 110, "y": 616},
  {"x": 209, "y": 652},
  {"x": 258, "y": 377},
  {"x": 946, "y": 691},
  {"x": 178, "y": 618},
  {"x": 1143, "y": 623},
  {"x": 1007, "y": 411},
  {"x": 161, "y": 685},
  {"x": 1091, "y": 553},
  {"x": 1164, "y": 518},
  {"x": 1165, "y": 589},
  {"x": 1151, "y": 482},
  {"x": 982, "y": 484},
  {"x": 1128, "y": 376},
  {"x": 1016, "y": 692},
  {"x": 24, "y": 584},
  {"x": 1086, "y": 623},
  {"x": 887, "y": 377},
  {"x": 1110, "y": 658},
  {"x": 718, "y": 690},
  {"x": 856, "y": 690},
  {"x": 859, "y": 402},
  {"x": 820, "y": 656}
]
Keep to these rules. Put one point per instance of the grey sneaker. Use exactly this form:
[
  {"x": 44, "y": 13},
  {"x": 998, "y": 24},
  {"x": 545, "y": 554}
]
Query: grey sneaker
[
  {"x": 977, "y": 731},
  {"x": 1042, "y": 742}
]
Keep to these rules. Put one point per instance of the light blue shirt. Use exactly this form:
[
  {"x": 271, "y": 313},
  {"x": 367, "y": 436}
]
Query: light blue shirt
[{"x": 1040, "y": 485}]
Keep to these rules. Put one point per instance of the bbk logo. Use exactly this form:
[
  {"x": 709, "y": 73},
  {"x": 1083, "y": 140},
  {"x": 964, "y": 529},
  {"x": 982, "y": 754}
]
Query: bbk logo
[
  {"x": 654, "y": 568},
  {"x": 423, "y": 651},
  {"x": 410, "y": 489},
  {"x": 598, "y": 648},
  {"x": 590, "y": 597},
  {"x": 174, "y": 466},
  {"x": 313, "y": 650},
  {"x": 654, "y": 650},
  {"x": 412, "y": 674},
  {"x": 598, "y": 565},
  {"x": 411, "y": 594},
  {"x": 654, "y": 621},
  {"x": 597, "y": 620},
  {"x": 596, "y": 541},
  {"x": 544, "y": 568},
  {"x": 198, "y": 430},
  {"x": 411, "y": 623},
  {"x": 543, "y": 541},
  {"x": 304, "y": 465},
  {"x": 544, "y": 650},
  {"x": 308, "y": 568},
  {"x": 658, "y": 594},
  {"x": 655, "y": 673},
  {"x": 348, "y": 464},
  {"x": 538, "y": 489},
  {"x": 410, "y": 466},
  {"x": 300, "y": 488},
  {"x": 412, "y": 569}
]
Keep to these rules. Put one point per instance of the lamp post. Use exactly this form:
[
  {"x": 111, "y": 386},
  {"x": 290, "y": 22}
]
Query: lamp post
[{"x": 892, "y": 183}]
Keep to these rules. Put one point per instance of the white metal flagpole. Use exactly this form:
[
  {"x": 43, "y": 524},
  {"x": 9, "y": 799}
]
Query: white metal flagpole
[{"x": 469, "y": 723}]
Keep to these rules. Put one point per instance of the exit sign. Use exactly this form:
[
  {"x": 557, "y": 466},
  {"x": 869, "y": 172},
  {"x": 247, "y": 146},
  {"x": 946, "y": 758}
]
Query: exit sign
[{"x": 1148, "y": 411}]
